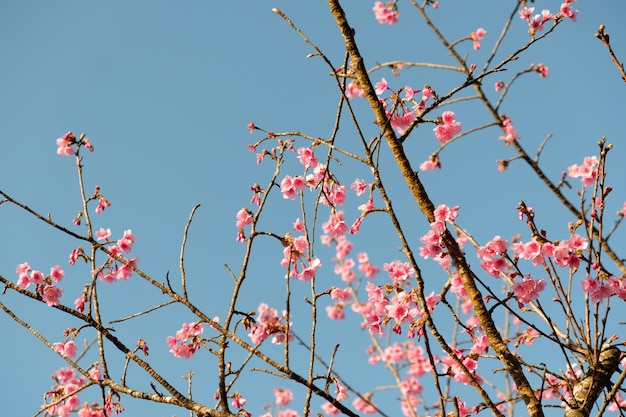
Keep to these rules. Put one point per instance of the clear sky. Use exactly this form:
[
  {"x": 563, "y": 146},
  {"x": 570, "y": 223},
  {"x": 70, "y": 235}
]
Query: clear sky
[{"x": 165, "y": 91}]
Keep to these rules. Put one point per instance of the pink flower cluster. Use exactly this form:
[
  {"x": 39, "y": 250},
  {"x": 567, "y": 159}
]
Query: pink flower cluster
[
  {"x": 401, "y": 116},
  {"x": 295, "y": 257},
  {"x": 45, "y": 285},
  {"x": 528, "y": 289},
  {"x": 399, "y": 306},
  {"x": 509, "y": 131},
  {"x": 433, "y": 245},
  {"x": 268, "y": 323},
  {"x": 354, "y": 89},
  {"x": 386, "y": 13},
  {"x": 65, "y": 144},
  {"x": 114, "y": 270},
  {"x": 449, "y": 127},
  {"x": 543, "y": 70},
  {"x": 586, "y": 171},
  {"x": 67, "y": 382},
  {"x": 187, "y": 340},
  {"x": 601, "y": 289},
  {"x": 476, "y": 36},
  {"x": 535, "y": 22}
]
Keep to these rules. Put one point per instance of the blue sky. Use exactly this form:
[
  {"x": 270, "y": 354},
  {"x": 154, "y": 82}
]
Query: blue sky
[{"x": 165, "y": 92}]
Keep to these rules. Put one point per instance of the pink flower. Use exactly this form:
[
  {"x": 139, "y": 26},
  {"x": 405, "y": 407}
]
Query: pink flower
[
  {"x": 335, "y": 225},
  {"x": 94, "y": 373},
  {"x": 341, "y": 392},
  {"x": 103, "y": 234},
  {"x": 51, "y": 294},
  {"x": 56, "y": 273},
  {"x": 566, "y": 10},
  {"x": 385, "y": 13},
  {"x": 23, "y": 281},
  {"x": 330, "y": 409},
  {"x": 476, "y": 36},
  {"x": 381, "y": 86},
  {"x": 36, "y": 277},
  {"x": 103, "y": 203},
  {"x": 587, "y": 171},
  {"x": 25, "y": 268},
  {"x": 298, "y": 225},
  {"x": 528, "y": 290},
  {"x": 499, "y": 85},
  {"x": 340, "y": 294},
  {"x": 399, "y": 271},
  {"x": 65, "y": 143},
  {"x": 251, "y": 127},
  {"x": 309, "y": 272},
  {"x": 509, "y": 131},
  {"x": 444, "y": 213},
  {"x": 79, "y": 303},
  {"x": 125, "y": 271},
  {"x": 430, "y": 164},
  {"x": 364, "y": 406},
  {"x": 283, "y": 396},
  {"x": 359, "y": 187},
  {"x": 307, "y": 157},
  {"x": 542, "y": 70},
  {"x": 289, "y": 185},
  {"x": 238, "y": 400},
  {"x": 448, "y": 128},
  {"x": 67, "y": 348},
  {"x": 335, "y": 312},
  {"x": 526, "y": 12},
  {"x": 244, "y": 217},
  {"x": 597, "y": 290},
  {"x": 126, "y": 242},
  {"x": 354, "y": 89}
]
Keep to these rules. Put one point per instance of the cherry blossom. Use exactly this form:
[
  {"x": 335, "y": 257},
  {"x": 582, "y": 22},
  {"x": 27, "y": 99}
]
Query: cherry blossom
[
  {"x": 449, "y": 127},
  {"x": 67, "y": 348},
  {"x": 385, "y": 13},
  {"x": 586, "y": 171},
  {"x": 476, "y": 36}
]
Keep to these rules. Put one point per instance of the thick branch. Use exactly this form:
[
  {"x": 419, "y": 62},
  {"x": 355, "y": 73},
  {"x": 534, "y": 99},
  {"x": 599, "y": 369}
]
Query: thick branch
[{"x": 509, "y": 360}]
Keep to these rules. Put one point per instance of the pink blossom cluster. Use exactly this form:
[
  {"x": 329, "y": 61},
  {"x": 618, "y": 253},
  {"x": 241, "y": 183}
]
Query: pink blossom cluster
[
  {"x": 543, "y": 70},
  {"x": 536, "y": 22},
  {"x": 114, "y": 270},
  {"x": 295, "y": 256},
  {"x": 386, "y": 13},
  {"x": 66, "y": 382},
  {"x": 413, "y": 359},
  {"x": 66, "y": 349},
  {"x": 586, "y": 171},
  {"x": 66, "y": 143},
  {"x": 509, "y": 131},
  {"x": 433, "y": 244},
  {"x": 186, "y": 341},
  {"x": 354, "y": 89},
  {"x": 479, "y": 34},
  {"x": 528, "y": 289},
  {"x": 45, "y": 284},
  {"x": 449, "y": 127},
  {"x": 494, "y": 259},
  {"x": 401, "y": 115},
  {"x": 282, "y": 397},
  {"x": 431, "y": 163},
  {"x": 399, "y": 306},
  {"x": 344, "y": 267},
  {"x": 599, "y": 289},
  {"x": 269, "y": 323}
]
